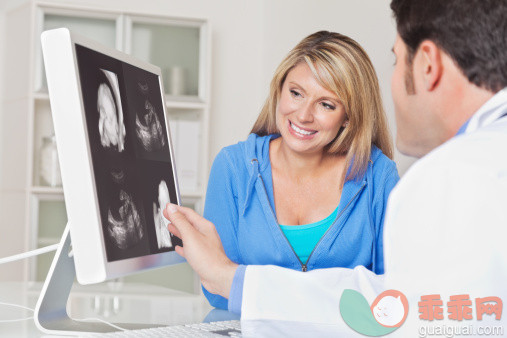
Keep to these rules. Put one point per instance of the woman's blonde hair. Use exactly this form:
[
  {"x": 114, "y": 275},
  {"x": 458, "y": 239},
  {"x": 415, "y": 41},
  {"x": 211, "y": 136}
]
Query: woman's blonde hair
[{"x": 340, "y": 65}]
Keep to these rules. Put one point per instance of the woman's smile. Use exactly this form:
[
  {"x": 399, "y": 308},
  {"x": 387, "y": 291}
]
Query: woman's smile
[{"x": 301, "y": 132}]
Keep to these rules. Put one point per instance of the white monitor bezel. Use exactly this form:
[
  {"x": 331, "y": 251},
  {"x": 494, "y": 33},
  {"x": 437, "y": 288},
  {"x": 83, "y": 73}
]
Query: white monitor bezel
[{"x": 76, "y": 165}]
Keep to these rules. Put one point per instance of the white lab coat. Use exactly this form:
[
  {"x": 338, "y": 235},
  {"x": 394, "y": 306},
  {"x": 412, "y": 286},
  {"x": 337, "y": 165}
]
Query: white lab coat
[{"x": 445, "y": 233}]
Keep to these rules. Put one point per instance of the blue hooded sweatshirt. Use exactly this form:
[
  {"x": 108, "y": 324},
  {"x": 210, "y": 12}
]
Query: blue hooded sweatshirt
[{"x": 240, "y": 202}]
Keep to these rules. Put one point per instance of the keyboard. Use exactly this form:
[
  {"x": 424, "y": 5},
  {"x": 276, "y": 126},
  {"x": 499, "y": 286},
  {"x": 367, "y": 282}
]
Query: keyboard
[{"x": 231, "y": 328}]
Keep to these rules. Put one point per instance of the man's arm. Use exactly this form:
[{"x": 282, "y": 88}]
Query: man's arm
[
  {"x": 202, "y": 249},
  {"x": 286, "y": 294}
]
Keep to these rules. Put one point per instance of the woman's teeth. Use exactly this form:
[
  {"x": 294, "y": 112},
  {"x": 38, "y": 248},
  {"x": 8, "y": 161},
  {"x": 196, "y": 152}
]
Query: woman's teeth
[{"x": 301, "y": 131}]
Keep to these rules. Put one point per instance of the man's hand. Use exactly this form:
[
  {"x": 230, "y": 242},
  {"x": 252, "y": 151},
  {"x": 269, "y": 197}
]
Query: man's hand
[{"x": 202, "y": 248}]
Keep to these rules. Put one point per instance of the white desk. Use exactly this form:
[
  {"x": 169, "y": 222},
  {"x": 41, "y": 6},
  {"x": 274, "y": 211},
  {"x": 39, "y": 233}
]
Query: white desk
[
  {"x": 117, "y": 303},
  {"x": 148, "y": 304}
]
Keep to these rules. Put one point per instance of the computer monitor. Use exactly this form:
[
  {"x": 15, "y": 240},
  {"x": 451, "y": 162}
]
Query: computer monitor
[
  {"x": 116, "y": 157},
  {"x": 118, "y": 174},
  {"x": 117, "y": 168}
]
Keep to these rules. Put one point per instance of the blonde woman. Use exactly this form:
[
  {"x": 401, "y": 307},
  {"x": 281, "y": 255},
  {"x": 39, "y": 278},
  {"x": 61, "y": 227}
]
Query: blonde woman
[{"x": 309, "y": 187}]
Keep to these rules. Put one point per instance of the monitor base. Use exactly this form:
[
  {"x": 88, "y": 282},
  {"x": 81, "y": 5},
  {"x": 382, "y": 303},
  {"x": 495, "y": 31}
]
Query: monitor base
[{"x": 51, "y": 310}]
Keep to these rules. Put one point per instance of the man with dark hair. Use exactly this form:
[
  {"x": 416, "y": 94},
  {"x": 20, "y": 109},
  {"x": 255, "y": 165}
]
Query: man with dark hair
[
  {"x": 471, "y": 32},
  {"x": 471, "y": 35},
  {"x": 445, "y": 226}
]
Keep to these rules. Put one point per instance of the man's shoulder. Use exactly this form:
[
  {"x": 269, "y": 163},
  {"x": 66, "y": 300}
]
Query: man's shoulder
[{"x": 465, "y": 158}]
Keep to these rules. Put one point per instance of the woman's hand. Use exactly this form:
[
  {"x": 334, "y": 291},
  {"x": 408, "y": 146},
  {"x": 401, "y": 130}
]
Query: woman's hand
[{"x": 202, "y": 248}]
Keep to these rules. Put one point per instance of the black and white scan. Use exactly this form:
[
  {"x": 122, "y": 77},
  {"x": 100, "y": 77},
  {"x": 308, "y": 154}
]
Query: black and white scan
[
  {"x": 130, "y": 154},
  {"x": 146, "y": 111},
  {"x": 124, "y": 222},
  {"x": 161, "y": 223},
  {"x": 150, "y": 132},
  {"x": 111, "y": 126}
]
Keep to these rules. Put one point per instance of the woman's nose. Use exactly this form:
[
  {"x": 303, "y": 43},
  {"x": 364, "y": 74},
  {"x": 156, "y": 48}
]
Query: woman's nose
[{"x": 305, "y": 113}]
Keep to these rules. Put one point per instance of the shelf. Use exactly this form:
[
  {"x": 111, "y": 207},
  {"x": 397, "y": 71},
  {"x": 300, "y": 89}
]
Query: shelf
[
  {"x": 95, "y": 25},
  {"x": 174, "y": 47},
  {"x": 41, "y": 190},
  {"x": 41, "y": 96},
  {"x": 45, "y": 241},
  {"x": 191, "y": 194},
  {"x": 189, "y": 102}
]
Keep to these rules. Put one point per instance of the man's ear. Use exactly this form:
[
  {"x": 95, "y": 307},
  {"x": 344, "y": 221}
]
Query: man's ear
[{"x": 431, "y": 61}]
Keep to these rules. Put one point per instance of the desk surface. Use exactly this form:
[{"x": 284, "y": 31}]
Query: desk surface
[{"x": 113, "y": 302}]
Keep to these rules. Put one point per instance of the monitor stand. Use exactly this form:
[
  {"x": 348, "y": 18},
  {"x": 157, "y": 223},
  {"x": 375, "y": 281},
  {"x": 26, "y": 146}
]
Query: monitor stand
[{"x": 51, "y": 311}]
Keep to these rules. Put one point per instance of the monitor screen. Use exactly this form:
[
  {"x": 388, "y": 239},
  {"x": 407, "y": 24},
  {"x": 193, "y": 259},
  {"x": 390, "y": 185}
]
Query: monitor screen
[
  {"x": 130, "y": 154},
  {"x": 115, "y": 155}
]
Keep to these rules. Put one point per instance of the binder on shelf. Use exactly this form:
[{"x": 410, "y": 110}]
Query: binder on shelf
[{"x": 185, "y": 135}]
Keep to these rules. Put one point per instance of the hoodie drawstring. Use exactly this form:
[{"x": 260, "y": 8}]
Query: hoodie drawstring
[{"x": 251, "y": 182}]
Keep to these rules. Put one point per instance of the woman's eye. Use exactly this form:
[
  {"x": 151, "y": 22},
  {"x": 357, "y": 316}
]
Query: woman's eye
[
  {"x": 295, "y": 93},
  {"x": 328, "y": 106}
]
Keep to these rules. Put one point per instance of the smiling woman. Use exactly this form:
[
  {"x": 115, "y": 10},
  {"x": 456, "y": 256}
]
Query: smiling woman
[
  {"x": 309, "y": 187},
  {"x": 309, "y": 116}
]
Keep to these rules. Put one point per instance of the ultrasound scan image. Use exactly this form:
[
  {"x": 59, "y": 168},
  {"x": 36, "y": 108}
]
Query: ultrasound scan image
[
  {"x": 124, "y": 223},
  {"x": 118, "y": 176},
  {"x": 149, "y": 130},
  {"x": 163, "y": 235},
  {"x": 129, "y": 146},
  {"x": 111, "y": 126},
  {"x": 146, "y": 115}
]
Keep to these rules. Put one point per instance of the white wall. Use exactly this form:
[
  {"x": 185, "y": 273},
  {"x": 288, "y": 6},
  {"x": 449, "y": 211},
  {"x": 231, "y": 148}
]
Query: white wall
[
  {"x": 2, "y": 80},
  {"x": 11, "y": 245}
]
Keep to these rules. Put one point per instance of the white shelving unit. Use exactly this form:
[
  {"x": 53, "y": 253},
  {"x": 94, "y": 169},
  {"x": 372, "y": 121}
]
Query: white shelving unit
[{"x": 179, "y": 46}]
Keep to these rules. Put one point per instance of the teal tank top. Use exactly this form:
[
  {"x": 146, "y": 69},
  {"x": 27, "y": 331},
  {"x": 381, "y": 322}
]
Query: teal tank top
[{"x": 303, "y": 238}]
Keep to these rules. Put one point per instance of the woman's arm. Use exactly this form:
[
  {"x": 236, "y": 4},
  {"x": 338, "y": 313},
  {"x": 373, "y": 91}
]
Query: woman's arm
[{"x": 221, "y": 209}]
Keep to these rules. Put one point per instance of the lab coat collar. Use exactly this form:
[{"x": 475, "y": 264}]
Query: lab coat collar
[{"x": 492, "y": 110}]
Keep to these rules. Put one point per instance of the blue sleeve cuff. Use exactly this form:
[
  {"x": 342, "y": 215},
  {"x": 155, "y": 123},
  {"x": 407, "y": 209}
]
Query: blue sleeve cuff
[{"x": 236, "y": 293}]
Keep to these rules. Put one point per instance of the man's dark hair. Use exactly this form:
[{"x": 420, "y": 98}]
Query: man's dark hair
[{"x": 472, "y": 32}]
